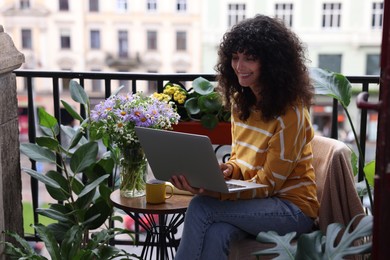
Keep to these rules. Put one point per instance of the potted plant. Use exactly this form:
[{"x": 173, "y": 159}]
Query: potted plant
[
  {"x": 336, "y": 245},
  {"x": 83, "y": 208},
  {"x": 202, "y": 103},
  {"x": 337, "y": 86},
  {"x": 201, "y": 110}
]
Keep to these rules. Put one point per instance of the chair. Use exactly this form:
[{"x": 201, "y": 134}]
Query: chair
[{"x": 339, "y": 201}]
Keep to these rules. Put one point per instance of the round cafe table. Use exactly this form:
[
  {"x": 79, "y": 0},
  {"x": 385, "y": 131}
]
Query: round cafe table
[{"x": 160, "y": 222}]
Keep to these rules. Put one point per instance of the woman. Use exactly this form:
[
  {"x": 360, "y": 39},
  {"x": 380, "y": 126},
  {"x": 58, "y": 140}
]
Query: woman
[{"x": 263, "y": 78}]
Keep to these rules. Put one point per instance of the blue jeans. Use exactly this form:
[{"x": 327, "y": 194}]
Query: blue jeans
[{"x": 210, "y": 224}]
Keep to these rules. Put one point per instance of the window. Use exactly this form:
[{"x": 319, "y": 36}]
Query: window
[
  {"x": 236, "y": 13},
  {"x": 64, "y": 5},
  {"x": 330, "y": 62},
  {"x": 285, "y": 13},
  {"x": 373, "y": 64},
  {"x": 65, "y": 39},
  {"x": 331, "y": 17},
  {"x": 122, "y": 5},
  {"x": 95, "y": 39},
  {"x": 181, "y": 5},
  {"x": 151, "y": 5},
  {"x": 152, "y": 40},
  {"x": 123, "y": 48},
  {"x": 26, "y": 39},
  {"x": 94, "y": 5},
  {"x": 24, "y": 4},
  {"x": 181, "y": 41},
  {"x": 377, "y": 15}
]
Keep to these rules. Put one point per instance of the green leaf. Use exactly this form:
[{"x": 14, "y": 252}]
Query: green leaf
[
  {"x": 93, "y": 185},
  {"x": 310, "y": 246},
  {"x": 37, "y": 153},
  {"x": 202, "y": 86},
  {"x": 48, "y": 121},
  {"x": 331, "y": 84},
  {"x": 210, "y": 103},
  {"x": 209, "y": 121},
  {"x": 72, "y": 111},
  {"x": 283, "y": 245},
  {"x": 59, "y": 229},
  {"x": 78, "y": 93},
  {"x": 58, "y": 193},
  {"x": 42, "y": 178},
  {"x": 346, "y": 247},
  {"x": 50, "y": 242},
  {"x": 78, "y": 138},
  {"x": 84, "y": 157},
  {"x": 100, "y": 168},
  {"x": 106, "y": 252},
  {"x": 369, "y": 171},
  {"x": 84, "y": 202},
  {"x": 105, "y": 193},
  {"x": 47, "y": 142},
  {"x": 61, "y": 208},
  {"x": 192, "y": 106},
  {"x": 315, "y": 245},
  {"x": 72, "y": 241},
  {"x": 53, "y": 214},
  {"x": 77, "y": 185},
  {"x": 99, "y": 208},
  {"x": 25, "y": 246},
  {"x": 354, "y": 162}
]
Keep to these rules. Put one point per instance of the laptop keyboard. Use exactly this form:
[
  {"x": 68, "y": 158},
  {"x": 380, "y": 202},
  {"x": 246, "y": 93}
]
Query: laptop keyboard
[{"x": 233, "y": 186}]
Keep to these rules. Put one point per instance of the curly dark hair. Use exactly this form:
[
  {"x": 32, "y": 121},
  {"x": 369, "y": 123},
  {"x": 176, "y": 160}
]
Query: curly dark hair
[{"x": 284, "y": 77}]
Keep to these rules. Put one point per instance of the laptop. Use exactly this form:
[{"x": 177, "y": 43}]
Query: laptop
[{"x": 172, "y": 153}]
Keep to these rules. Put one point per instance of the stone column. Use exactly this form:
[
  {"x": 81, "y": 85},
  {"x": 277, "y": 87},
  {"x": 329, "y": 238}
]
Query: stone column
[{"x": 11, "y": 217}]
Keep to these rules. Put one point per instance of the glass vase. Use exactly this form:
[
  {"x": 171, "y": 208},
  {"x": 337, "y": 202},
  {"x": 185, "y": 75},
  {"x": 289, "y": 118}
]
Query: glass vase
[{"x": 133, "y": 171}]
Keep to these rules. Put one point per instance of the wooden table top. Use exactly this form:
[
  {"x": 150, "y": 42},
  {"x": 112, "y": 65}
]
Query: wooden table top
[{"x": 176, "y": 204}]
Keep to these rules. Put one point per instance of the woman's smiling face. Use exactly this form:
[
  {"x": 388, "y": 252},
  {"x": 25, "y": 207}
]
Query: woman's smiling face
[{"x": 247, "y": 69}]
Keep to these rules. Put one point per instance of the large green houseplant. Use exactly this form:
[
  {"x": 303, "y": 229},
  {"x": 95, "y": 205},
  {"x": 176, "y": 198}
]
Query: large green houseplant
[
  {"x": 83, "y": 209},
  {"x": 337, "y": 244},
  {"x": 337, "y": 86}
]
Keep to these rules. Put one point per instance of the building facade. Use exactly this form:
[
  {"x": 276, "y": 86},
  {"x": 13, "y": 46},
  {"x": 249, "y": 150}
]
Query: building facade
[{"x": 182, "y": 36}]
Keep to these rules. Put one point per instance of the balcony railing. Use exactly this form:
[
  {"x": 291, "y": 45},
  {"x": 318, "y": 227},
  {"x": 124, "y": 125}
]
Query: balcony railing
[{"x": 360, "y": 83}]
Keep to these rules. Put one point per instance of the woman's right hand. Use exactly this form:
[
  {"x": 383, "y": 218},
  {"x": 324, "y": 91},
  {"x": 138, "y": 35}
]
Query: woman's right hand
[
  {"x": 227, "y": 170},
  {"x": 181, "y": 183}
]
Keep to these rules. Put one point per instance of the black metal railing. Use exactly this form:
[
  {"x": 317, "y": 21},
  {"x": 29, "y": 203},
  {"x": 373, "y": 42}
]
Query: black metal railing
[{"x": 362, "y": 83}]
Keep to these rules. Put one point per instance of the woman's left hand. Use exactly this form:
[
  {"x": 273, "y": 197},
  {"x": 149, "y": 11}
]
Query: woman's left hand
[{"x": 181, "y": 183}]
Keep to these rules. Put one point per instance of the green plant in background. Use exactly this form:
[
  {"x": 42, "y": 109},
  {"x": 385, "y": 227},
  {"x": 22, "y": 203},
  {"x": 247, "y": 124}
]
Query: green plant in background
[
  {"x": 205, "y": 104},
  {"x": 315, "y": 245},
  {"x": 336, "y": 85},
  {"x": 83, "y": 209},
  {"x": 200, "y": 103}
]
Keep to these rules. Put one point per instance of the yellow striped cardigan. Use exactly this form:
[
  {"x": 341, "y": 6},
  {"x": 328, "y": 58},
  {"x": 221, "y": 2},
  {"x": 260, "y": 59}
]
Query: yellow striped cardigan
[{"x": 276, "y": 153}]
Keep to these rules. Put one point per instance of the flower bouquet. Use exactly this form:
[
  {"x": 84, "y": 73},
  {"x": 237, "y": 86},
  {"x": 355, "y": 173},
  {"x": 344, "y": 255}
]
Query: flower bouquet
[{"x": 113, "y": 120}]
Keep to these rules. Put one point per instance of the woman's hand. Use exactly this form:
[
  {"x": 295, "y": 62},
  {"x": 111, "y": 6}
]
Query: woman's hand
[
  {"x": 181, "y": 183},
  {"x": 227, "y": 170}
]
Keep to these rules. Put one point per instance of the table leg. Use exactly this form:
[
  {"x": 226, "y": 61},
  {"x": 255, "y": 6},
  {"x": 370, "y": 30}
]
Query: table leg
[{"x": 160, "y": 236}]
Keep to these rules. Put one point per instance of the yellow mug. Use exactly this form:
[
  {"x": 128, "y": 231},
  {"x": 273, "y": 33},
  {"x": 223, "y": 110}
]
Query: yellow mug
[{"x": 156, "y": 191}]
